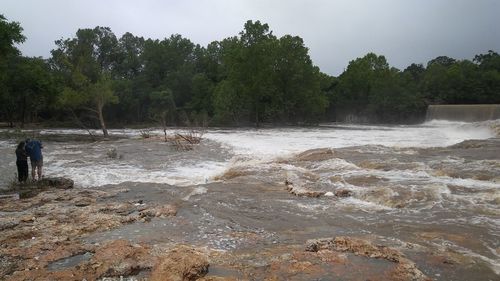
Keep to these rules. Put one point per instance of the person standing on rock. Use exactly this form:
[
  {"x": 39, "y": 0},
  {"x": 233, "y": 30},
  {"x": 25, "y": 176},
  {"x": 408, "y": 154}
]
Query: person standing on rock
[
  {"x": 34, "y": 149},
  {"x": 22, "y": 162}
]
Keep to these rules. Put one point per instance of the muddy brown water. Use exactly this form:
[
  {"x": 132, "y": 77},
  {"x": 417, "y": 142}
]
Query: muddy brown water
[
  {"x": 438, "y": 205},
  {"x": 249, "y": 214}
]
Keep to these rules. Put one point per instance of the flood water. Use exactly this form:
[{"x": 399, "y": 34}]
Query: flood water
[{"x": 421, "y": 185}]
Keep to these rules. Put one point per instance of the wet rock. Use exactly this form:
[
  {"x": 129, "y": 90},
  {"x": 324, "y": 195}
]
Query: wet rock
[
  {"x": 7, "y": 224},
  {"x": 182, "y": 263},
  {"x": 283, "y": 270},
  {"x": 27, "y": 219},
  {"x": 8, "y": 197},
  {"x": 7, "y": 265},
  {"x": 59, "y": 251},
  {"x": 83, "y": 202},
  {"x": 159, "y": 211},
  {"x": 319, "y": 154},
  {"x": 32, "y": 189},
  {"x": 405, "y": 269},
  {"x": 388, "y": 166},
  {"x": 233, "y": 173},
  {"x": 119, "y": 258},
  {"x": 385, "y": 196},
  {"x": 314, "y": 245},
  {"x": 218, "y": 278},
  {"x": 300, "y": 191},
  {"x": 343, "y": 193},
  {"x": 59, "y": 183},
  {"x": 121, "y": 209},
  {"x": 468, "y": 144},
  {"x": 367, "y": 180},
  {"x": 356, "y": 246}
]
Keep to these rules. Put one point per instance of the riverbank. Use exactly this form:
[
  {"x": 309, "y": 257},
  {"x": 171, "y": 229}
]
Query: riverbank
[{"x": 135, "y": 233}]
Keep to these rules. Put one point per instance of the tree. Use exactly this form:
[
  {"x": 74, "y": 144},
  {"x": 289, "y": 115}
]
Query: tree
[
  {"x": 169, "y": 63},
  {"x": 254, "y": 66},
  {"x": 393, "y": 98},
  {"x": 230, "y": 105},
  {"x": 352, "y": 94},
  {"x": 163, "y": 108},
  {"x": 10, "y": 34},
  {"x": 202, "y": 89},
  {"x": 88, "y": 63},
  {"x": 30, "y": 88},
  {"x": 129, "y": 83},
  {"x": 415, "y": 72},
  {"x": 441, "y": 60},
  {"x": 489, "y": 76},
  {"x": 372, "y": 90},
  {"x": 248, "y": 63},
  {"x": 298, "y": 82},
  {"x": 129, "y": 51}
]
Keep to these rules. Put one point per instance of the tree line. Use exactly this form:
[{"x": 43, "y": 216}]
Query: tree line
[{"x": 95, "y": 78}]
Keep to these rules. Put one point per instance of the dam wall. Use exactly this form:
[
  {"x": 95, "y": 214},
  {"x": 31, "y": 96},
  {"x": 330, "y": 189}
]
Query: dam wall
[{"x": 463, "y": 112}]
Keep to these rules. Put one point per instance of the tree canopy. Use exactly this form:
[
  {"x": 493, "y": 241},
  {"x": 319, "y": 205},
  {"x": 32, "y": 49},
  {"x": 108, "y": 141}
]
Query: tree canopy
[{"x": 249, "y": 79}]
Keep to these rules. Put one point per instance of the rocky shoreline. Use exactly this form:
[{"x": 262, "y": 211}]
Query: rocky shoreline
[{"x": 43, "y": 238}]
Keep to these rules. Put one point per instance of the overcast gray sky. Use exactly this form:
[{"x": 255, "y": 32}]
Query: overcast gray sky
[{"x": 335, "y": 31}]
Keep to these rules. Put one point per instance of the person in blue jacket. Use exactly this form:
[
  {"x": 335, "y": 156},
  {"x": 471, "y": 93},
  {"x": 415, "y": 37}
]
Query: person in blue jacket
[{"x": 34, "y": 150}]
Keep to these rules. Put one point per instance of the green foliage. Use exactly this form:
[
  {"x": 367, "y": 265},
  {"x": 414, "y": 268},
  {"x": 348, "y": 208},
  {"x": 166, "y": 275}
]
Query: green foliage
[
  {"x": 267, "y": 80},
  {"x": 249, "y": 79},
  {"x": 372, "y": 91},
  {"x": 10, "y": 33},
  {"x": 229, "y": 104},
  {"x": 163, "y": 107},
  {"x": 87, "y": 64}
]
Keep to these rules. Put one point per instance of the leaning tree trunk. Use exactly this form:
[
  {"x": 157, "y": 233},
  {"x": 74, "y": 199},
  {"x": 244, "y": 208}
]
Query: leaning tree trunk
[
  {"x": 101, "y": 120},
  {"x": 23, "y": 112},
  {"x": 80, "y": 123},
  {"x": 256, "y": 114}
]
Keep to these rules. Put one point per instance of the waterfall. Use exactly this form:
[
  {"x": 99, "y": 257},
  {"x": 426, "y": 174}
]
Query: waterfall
[{"x": 463, "y": 112}]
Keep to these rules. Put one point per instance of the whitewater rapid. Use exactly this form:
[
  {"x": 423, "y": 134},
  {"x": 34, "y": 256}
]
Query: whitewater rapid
[{"x": 142, "y": 161}]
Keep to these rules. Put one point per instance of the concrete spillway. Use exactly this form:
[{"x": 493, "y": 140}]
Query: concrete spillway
[{"x": 463, "y": 112}]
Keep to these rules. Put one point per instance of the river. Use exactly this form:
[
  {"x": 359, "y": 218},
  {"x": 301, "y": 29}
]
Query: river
[{"x": 434, "y": 185}]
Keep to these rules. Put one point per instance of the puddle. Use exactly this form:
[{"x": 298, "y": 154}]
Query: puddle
[{"x": 69, "y": 262}]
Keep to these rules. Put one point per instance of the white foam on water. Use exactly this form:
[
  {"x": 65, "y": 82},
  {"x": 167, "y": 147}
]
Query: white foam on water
[
  {"x": 97, "y": 175},
  {"x": 255, "y": 147},
  {"x": 196, "y": 191},
  {"x": 279, "y": 142},
  {"x": 335, "y": 164},
  {"x": 312, "y": 207},
  {"x": 366, "y": 206},
  {"x": 66, "y": 152},
  {"x": 5, "y": 144},
  {"x": 470, "y": 183},
  {"x": 494, "y": 264}
]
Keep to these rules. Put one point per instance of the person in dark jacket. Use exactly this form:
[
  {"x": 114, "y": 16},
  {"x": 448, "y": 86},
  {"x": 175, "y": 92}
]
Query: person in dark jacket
[{"x": 22, "y": 162}]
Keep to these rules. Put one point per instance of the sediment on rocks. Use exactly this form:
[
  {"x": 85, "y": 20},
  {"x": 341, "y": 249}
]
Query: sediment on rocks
[
  {"x": 49, "y": 226},
  {"x": 405, "y": 269},
  {"x": 31, "y": 189},
  {"x": 182, "y": 263}
]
